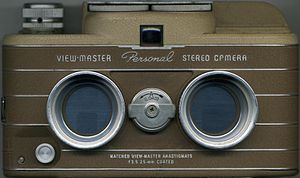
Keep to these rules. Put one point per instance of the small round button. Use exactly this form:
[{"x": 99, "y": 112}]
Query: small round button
[{"x": 45, "y": 153}]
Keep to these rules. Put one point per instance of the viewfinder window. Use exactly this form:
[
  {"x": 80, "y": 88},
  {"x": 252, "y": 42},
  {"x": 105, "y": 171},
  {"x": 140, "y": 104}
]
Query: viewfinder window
[{"x": 151, "y": 35}]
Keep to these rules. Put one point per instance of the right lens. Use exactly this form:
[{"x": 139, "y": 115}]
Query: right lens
[
  {"x": 214, "y": 108},
  {"x": 85, "y": 110},
  {"x": 218, "y": 109}
]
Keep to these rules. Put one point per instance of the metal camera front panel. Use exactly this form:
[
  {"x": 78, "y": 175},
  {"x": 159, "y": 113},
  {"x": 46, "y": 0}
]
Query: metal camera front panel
[
  {"x": 85, "y": 110},
  {"x": 152, "y": 89},
  {"x": 170, "y": 148}
]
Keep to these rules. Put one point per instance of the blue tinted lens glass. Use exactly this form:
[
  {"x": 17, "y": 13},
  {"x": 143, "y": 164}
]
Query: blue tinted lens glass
[
  {"x": 213, "y": 109},
  {"x": 87, "y": 109}
]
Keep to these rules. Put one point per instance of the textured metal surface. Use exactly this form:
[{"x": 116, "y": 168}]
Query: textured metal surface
[
  {"x": 151, "y": 109},
  {"x": 43, "y": 18}
]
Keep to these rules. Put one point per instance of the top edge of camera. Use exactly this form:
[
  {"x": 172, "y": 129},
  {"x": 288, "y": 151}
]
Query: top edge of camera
[
  {"x": 148, "y": 2},
  {"x": 153, "y": 5}
]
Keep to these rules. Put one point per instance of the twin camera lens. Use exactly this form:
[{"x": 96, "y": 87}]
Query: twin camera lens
[
  {"x": 86, "y": 110},
  {"x": 217, "y": 110}
]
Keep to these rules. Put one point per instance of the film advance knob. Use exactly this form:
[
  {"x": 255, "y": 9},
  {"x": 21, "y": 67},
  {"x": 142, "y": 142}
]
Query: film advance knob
[
  {"x": 45, "y": 153},
  {"x": 41, "y": 18},
  {"x": 151, "y": 109}
]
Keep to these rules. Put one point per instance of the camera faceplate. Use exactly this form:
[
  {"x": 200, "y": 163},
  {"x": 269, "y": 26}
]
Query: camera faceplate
[
  {"x": 169, "y": 69},
  {"x": 258, "y": 47}
]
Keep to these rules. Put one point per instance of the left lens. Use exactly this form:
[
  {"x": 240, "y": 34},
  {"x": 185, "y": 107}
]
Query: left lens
[{"x": 85, "y": 109}]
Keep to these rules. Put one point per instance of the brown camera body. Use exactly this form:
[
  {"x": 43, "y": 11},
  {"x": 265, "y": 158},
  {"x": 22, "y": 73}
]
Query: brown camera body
[{"x": 250, "y": 40}]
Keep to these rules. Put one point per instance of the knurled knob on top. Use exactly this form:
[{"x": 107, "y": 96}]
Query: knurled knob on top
[{"x": 43, "y": 18}]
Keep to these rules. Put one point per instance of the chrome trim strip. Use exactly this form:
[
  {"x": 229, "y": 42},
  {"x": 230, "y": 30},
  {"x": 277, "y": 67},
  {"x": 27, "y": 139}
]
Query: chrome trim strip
[
  {"x": 138, "y": 47},
  {"x": 277, "y": 95},
  {"x": 153, "y": 169},
  {"x": 257, "y": 124},
  {"x": 147, "y": 2},
  {"x": 258, "y": 95},
  {"x": 128, "y": 70},
  {"x": 118, "y": 8},
  {"x": 276, "y": 124},
  {"x": 180, "y": 150},
  {"x": 27, "y": 125},
  {"x": 29, "y": 96},
  {"x": 205, "y": 7}
]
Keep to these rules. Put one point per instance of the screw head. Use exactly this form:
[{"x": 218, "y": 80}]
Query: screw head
[
  {"x": 21, "y": 160},
  {"x": 152, "y": 111}
]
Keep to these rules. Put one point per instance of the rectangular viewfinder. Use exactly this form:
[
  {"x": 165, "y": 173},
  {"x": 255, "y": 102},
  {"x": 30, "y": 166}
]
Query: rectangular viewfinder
[{"x": 151, "y": 35}]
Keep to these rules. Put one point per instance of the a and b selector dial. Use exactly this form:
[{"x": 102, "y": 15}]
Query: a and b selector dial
[{"x": 151, "y": 109}]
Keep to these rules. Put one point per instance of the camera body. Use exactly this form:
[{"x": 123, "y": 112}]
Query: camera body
[{"x": 154, "y": 89}]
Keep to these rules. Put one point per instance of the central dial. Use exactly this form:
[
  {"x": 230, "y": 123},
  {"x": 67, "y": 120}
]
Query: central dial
[{"x": 151, "y": 109}]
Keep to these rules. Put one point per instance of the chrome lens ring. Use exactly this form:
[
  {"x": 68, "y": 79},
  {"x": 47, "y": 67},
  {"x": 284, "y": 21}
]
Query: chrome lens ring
[
  {"x": 55, "y": 110},
  {"x": 248, "y": 111}
]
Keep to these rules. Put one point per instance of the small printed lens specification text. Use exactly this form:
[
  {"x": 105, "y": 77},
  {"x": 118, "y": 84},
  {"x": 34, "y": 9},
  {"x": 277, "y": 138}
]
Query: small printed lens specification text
[
  {"x": 149, "y": 162},
  {"x": 151, "y": 159}
]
